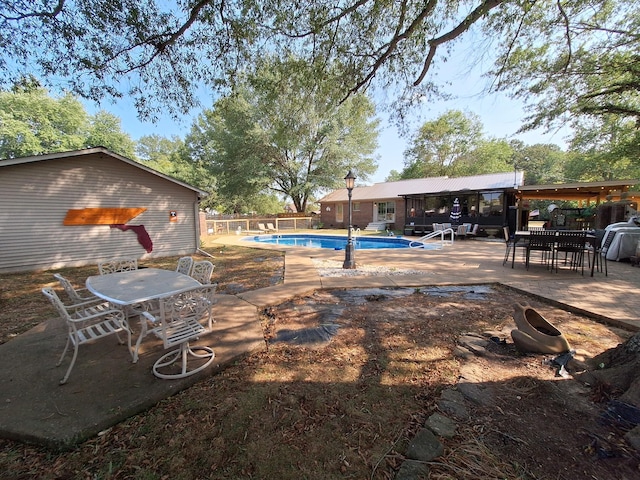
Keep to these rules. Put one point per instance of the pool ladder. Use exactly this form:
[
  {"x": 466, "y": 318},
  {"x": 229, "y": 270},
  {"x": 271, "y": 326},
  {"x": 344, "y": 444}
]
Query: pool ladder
[{"x": 441, "y": 233}]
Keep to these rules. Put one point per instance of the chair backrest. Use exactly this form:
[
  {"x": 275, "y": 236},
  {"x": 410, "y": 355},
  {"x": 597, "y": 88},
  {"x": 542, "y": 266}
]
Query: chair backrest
[
  {"x": 606, "y": 243},
  {"x": 182, "y": 309},
  {"x": 462, "y": 230},
  {"x": 68, "y": 288},
  {"x": 571, "y": 240},
  {"x": 474, "y": 230},
  {"x": 270, "y": 226},
  {"x": 541, "y": 239},
  {"x": 113, "y": 266},
  {"x": 438, "y": 227},
  {"x": 51, "y": 294},
  {"x": 202, "y": 271},
  {"x": 184, "y": 265},
  {"x": 261, "y": 227},
  {"x": 505, "y": 231}
]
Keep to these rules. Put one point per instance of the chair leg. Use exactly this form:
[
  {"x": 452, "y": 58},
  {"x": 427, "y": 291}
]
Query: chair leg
[
  {"x": 73, "y": 361},
  {"x": 506, "y": 254},
  {"x": 64, "y": 352}
]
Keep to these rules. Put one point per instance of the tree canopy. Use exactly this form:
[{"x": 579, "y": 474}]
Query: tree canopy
[
  {"x": 279, "y": 131},
  {"x": 32, "y": 122},
  {"x": 440, "y": 143},
  {"x": 578, "y": 57},
  {"x": 454, "y": 144}
]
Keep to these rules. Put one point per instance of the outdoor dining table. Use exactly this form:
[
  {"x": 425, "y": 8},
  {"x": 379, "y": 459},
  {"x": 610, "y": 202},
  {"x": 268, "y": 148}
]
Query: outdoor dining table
[
  {"x": 139, "y": 287},
  {"x": 525, "y": 234}
]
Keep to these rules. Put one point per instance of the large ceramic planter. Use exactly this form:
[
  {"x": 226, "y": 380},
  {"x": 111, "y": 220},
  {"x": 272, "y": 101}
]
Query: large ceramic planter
[{"x": 535, "y": 334}]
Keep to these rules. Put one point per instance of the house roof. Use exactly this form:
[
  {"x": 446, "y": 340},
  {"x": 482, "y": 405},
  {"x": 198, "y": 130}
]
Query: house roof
[
  {"x": 432, "y": 185},
  {"x": 93, "y": 151}
]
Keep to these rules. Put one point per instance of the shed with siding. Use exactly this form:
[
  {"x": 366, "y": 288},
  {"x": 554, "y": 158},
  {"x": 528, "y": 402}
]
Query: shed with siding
[{"x": 84, "y": 189}]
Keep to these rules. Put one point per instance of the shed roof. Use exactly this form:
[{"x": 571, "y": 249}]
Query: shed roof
[
  {"x": 93, "y": 151},
  {"x": 431, "y": 185}
]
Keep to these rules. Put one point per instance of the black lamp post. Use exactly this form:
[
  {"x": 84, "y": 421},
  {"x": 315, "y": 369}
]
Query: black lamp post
[{"x": 349, "y": 261}]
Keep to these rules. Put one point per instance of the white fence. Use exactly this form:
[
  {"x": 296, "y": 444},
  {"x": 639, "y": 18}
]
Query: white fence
[{"x": 227, "y": 227}]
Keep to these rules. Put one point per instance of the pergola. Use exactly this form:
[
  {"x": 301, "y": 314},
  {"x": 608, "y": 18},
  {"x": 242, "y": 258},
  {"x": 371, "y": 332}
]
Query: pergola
[
  {"x": 589, "y": 192},
  {"x": 585, "y": 193}
]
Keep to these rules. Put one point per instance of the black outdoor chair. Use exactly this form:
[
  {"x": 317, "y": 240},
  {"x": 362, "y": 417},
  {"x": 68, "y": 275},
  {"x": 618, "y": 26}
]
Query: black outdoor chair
[
  {"x": 544, "y": 242},
  {"x": 573, "y": 243}
]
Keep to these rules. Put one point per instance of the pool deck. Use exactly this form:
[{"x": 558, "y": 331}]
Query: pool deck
[
  {"x": 611, "y": 298},
  {"x": 105, "y": 388}
]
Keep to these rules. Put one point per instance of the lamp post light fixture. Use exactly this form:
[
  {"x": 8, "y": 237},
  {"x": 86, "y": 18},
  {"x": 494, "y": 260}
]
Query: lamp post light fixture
[{"x": 349, "y": 260}]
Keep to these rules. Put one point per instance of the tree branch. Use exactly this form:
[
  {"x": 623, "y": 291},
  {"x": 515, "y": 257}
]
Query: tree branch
[
  {"x": 393, "y": 44},
  {"x": 161, "y": 45},
  {"x": 462, "y": 27},
  {"x": 50, "y": 14},
  {"x": 567, "y": 34},
  {"x": 611, "y": 108}
]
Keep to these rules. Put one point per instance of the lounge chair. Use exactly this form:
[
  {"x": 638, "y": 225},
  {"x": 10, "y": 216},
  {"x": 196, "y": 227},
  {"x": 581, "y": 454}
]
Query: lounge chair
[
  {"x": 262, "y": 228},
  {"x": 271, "y": 228},
  {"x": 474, "y": 231},
  {"x": 461, "y": 232}
]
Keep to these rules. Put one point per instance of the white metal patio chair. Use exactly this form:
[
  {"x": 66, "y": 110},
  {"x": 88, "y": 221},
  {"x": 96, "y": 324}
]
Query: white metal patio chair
[
  {"x": 202, "y": 271},
  {"x": 86, "y": 323},
  {"x": 77, "y": 295},
  {"x": 182, "y": 317},
  {"x": 184, "y": 265},
  {"x": 113, "y": 266}
]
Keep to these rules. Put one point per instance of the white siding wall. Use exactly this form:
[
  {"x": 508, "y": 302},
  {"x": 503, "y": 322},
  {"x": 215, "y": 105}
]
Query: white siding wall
[{"x": 35, "y": 197}]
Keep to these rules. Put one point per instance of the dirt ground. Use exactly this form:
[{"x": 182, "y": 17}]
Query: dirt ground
[
  {"x": 533, "y": 422},
  {"x": 346, "y": 381}
]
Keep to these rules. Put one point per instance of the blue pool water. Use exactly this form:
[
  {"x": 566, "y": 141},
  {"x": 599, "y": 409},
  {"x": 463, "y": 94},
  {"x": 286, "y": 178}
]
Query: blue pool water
[{"x": 333, "y": 242}]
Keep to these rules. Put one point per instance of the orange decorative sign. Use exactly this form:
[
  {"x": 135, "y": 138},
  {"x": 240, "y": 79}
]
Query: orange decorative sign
[{"x": 101, "y": 216}]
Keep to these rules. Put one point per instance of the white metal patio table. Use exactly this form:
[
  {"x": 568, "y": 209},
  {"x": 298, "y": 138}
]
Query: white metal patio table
[{"x": 139, "y": 287}]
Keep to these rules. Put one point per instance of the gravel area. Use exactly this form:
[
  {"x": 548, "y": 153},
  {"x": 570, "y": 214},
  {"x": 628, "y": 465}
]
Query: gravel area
[{"x": 332, "y": 268}]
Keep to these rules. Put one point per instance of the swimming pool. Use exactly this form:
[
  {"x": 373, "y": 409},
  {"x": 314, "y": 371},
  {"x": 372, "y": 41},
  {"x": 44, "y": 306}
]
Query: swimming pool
[{"x": 333, "y": 242}]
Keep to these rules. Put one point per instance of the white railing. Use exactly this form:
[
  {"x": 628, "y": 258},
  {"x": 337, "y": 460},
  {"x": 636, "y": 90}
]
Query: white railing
[{"x": 438, "y": 233}]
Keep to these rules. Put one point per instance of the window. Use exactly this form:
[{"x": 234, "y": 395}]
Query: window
[
  {"x": 339, "y": 212},
  {"x": 436, "y": 206},
  {"x": 356, "y": 206},
  {"x": 386, "y": 211},
  {"x": 491, "y": 204}
]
